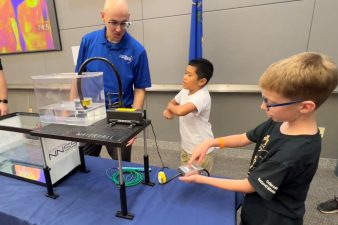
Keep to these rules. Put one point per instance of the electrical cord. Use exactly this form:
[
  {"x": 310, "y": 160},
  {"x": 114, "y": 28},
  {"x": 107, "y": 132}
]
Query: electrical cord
[
  {"x": 161, "y": 176},
  {"x": 131, "y": 177},
  {"x": 206, "y": 171},
  {"x": 157, "y": 148}
]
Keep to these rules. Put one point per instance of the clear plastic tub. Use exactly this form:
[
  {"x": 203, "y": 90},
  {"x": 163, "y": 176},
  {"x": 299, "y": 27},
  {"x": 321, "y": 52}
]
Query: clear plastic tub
[{"x": 68, "y": 98}]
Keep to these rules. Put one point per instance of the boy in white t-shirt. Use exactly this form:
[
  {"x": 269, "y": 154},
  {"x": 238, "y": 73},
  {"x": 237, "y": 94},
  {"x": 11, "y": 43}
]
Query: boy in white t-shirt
[{"x": 192, "y": 104}]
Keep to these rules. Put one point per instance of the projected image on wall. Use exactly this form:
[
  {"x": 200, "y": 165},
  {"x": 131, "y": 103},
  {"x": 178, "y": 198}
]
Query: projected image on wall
[{"x": 28, "y": 26}]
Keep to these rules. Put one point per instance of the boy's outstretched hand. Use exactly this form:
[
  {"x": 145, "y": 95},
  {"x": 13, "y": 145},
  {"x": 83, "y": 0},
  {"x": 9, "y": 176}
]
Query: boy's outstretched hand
[{"x": 189, "y": 178}]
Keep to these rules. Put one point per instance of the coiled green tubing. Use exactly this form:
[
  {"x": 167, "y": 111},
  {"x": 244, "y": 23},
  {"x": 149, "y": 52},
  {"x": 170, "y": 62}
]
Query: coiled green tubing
[{"x": 131, "y": 177}]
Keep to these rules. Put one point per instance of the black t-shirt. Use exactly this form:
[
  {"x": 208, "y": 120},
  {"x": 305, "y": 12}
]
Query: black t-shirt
[
  {"x": 281, "y": 169},
  {"x": 1, "y": 65}
]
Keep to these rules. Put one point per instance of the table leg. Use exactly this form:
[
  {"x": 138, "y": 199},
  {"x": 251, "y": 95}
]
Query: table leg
[
  {"x": 50, "y": 192},
  {"x": 123, "y": 197},
  {"x": 82, "y": 167},
  {"x": 146, "y": 161}
]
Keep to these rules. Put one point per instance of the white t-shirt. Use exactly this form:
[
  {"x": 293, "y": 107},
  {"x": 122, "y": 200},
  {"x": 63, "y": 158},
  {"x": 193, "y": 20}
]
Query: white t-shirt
[{"x": 195, "y": 126}]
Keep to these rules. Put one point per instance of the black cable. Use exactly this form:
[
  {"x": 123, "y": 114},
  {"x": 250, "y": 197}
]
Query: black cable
[
  {"x": 116, "y": 72},
  {"x": 162, "y": 178},
  {"x": 207, "y": 172},
  {"x": 171, "y": 178},
  {"x": 163, "y": 167},
  {"x": 157, "y": 149}
]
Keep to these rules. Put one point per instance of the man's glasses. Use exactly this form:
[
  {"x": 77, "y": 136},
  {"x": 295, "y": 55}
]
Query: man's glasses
[
  {"x": 268, "y": 106},
  {"x": 123, "y": 25}
]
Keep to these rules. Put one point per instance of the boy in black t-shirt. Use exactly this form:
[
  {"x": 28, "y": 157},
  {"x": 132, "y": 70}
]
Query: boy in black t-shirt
[{"x": 288, "y": 144}]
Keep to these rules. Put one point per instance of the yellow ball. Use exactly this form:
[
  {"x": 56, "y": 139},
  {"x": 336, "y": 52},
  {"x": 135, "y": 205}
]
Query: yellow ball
[{"x": 161, "y": 177}]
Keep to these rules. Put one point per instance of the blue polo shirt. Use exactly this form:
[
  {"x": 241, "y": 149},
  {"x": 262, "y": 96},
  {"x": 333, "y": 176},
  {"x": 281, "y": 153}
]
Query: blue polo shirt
[{"x": 129, "y": 57}]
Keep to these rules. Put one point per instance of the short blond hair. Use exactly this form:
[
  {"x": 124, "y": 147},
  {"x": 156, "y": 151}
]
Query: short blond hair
[{"x": 305, "y": 76}]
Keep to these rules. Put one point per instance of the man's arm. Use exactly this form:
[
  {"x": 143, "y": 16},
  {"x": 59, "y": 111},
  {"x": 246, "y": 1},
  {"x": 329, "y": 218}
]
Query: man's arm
[
  {"x": 3, "y": 94},
  {"x": 81, "y": 57},
  {"x": 139, "y": 96}
]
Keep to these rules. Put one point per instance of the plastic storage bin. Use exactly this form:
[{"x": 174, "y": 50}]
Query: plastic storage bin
[{"x": 68, "y": 98}]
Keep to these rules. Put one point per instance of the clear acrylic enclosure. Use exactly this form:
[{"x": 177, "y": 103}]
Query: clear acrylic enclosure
[
  {"x": 68, "y": 98},
  {"x": 32, "y": 158},
  {"x": 21, "y": 154}
]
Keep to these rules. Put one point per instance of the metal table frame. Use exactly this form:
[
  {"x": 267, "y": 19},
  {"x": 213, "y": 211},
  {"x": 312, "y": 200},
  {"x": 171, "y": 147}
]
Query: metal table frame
[{"x": 102, "y": 133}]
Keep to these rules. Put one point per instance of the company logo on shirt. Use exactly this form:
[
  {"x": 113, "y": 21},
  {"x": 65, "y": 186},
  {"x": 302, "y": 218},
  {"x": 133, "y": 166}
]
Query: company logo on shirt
[
  {"x": 260, "y": 155},
  {"x": 268, "y": 185},
  {"x": 126, "y": 58}
]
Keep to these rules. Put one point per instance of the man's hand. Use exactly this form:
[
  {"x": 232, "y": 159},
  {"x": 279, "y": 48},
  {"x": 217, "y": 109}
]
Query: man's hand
[
  {"x": 131, "y": 141},
  {"x": 3, "y": 109}
]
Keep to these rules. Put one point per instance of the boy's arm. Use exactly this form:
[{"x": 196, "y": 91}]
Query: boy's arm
[
  {"x": 231, "y": 141},
  {"x": 181, "y": 110},
  {"x": 226, "y": 184},
  {"x": 167, "y": 113}
]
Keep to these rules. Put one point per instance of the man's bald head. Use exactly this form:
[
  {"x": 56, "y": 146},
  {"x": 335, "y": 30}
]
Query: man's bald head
[
  {"x": 115, "y": 12},
  {"x": 120, "y": 5}
]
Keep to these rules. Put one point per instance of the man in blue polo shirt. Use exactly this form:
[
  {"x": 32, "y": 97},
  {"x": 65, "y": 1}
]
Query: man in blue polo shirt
[{"x": 127, "y": 54}]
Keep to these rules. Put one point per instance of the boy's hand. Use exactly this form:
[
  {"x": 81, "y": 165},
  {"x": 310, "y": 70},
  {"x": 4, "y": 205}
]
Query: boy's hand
[
  {"x": 167, "y": 114},
  {"x": 189, "y": 178},
  {"x": 199, "y": 152}
]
